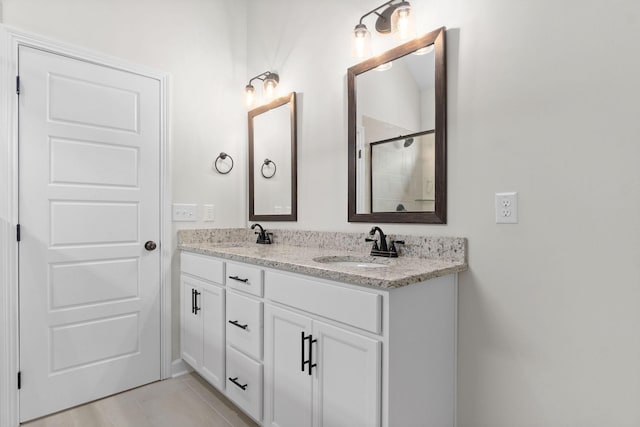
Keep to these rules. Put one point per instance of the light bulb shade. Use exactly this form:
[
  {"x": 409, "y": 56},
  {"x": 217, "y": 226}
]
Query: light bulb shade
[
  {"x": 361, "y": 47},
  {"x": 403, "y": 22},
  {"x": 249, "y": 95},
  {"x": 384, "y": 67},
  {"x": 270, "y": 83}
]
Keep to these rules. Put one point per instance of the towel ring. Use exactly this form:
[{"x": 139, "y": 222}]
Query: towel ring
[
  {"x": 268, "y": 162},
  {"x": 223, "y": 156}
]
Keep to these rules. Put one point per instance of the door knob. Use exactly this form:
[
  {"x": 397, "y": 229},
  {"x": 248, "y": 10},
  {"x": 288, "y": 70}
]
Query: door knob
[{"x": 150, "y": 245}]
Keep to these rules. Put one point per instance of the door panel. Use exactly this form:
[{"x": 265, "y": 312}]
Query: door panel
[
  {"x": 83, "y": 343},
  {"x": 213, "y": 335},
  {"x": 89, "y": 141},
  {"x": 92, "y": 281},
  {"x": 95, "y": 103},
  {"x": 347, "y": 383},
  {"x": 93, "y": 223},
  {"x": 191, "y": 331},
  {"x": 288, "y": 397},
  {"x": 103, "y": 164}
]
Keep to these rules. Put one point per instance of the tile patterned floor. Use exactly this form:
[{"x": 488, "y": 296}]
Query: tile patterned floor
[{"x": 185, "y": 401}]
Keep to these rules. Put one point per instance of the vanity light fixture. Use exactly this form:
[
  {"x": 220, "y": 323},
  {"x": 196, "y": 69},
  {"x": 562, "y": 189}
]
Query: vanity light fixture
[
  {"x": 270, "y": 81},
  {"x": 397, "y": 18},
  {"x": 423, "y": 50},
  {"x": 384, "y": 67}
]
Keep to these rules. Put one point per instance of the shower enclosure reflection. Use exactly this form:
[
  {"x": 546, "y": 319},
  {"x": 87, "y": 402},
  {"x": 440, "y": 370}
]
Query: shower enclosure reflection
[{"x": 403, "y": 174}]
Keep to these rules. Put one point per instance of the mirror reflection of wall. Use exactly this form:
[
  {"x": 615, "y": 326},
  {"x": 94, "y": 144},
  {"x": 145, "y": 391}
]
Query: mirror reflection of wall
[
  {"x": 395, "y": 98},
  {"x": 273, "y": 169},
  {"x": 272, "y": 140},
  {"x": 393, "y": 102},
  {"x": 403, "y": 95}
]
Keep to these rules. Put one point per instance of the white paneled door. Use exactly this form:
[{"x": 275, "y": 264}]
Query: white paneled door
[{"x": 89, "y": 138}]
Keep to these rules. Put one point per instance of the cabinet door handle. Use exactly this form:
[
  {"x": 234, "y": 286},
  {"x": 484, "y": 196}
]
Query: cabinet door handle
[
  {"x": 302, "y": 361},
  {"x": 309, "y": 363},
  {"x": 311, "y": 343},
  {"x": 236, "y": 323},
  {"x": 235, "y": 381},
  {"x": 238, "y": 279},
  {"x": 196, "y": 309},
  {"x": 193, "y": 301}
]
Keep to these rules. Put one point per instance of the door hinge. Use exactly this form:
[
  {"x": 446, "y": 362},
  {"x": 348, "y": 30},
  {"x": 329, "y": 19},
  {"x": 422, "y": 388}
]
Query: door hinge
[
  {"x": 18, "y": 232},
  {"x": 19, "y": 380},
  {"x": 18, "y": 85}
]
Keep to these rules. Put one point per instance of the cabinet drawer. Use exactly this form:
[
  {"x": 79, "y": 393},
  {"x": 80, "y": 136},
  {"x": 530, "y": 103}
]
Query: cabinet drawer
[
  {"x": 202, "y": 266},
  {"x": 244, "y": 324},
  {"x": 244, "y": 382},
  {"x": 357, "y": 308},
  {"x": 245, "y": 278}
]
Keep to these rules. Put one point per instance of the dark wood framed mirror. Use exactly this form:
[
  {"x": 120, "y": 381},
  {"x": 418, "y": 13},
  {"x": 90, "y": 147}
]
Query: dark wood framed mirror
[
  {"x": 273, "y": 166},
  {"x": 397, "y": 108}
]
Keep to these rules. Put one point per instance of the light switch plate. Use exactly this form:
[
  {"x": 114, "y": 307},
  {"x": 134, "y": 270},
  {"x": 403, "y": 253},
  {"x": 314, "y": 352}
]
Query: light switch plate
[
  {"x": 184, "y": 212},
  {"x": 507, "y": 208},
  {"x": 209, "y": 213}
]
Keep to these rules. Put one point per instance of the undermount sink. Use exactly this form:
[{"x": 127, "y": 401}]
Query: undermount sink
[{"x": 349, "y": 261}]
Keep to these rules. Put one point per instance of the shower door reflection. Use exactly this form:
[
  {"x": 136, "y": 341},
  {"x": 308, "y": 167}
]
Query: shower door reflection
[{"x": 403, "y": 174}]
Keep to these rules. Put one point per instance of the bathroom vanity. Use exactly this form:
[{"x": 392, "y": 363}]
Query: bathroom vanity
[{"x": 323, "y": 335}]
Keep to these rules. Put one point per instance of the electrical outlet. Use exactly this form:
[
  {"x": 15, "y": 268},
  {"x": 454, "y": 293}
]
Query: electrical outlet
[
  {"x": 209, "y": 213},
  {"x": 184, "y": 212},
  {"x": 507, "y": 208}
]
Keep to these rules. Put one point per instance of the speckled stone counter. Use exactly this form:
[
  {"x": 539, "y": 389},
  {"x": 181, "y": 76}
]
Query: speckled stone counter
[{"x": 421, "y": 257}]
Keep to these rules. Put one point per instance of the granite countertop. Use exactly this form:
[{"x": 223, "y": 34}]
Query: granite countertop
[{"x": 401, "y": 271}]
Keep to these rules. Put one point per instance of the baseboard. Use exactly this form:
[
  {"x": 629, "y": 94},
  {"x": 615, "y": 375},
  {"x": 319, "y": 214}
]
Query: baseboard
[{"x": 179, "y": 367}]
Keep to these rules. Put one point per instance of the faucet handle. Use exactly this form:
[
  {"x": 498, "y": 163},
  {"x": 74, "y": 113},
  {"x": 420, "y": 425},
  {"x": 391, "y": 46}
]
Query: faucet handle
[
  {"x": 375, "y": 243},
  {"x": 392, "y": 247}
]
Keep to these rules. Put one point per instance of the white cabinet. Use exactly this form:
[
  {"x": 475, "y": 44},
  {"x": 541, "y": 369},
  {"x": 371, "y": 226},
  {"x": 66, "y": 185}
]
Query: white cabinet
[
  {"x": 318, "y": 374},
  {"x": 191, "y": 324},
  {"x": 244, "y": 376},
  {"x": 300, "y": 351},
  {"x": 203, "y": 344},
  {"x": 244, "y": 324},
  {"x": 348, "y": 378},
  {"x": 203, "y": 317},
  {"x": 288, "y": 398}
]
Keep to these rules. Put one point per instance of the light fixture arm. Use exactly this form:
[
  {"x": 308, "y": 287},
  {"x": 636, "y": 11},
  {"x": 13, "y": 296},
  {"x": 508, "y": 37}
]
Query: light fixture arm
[
  {"x": 262, "y": 76},
  {"x": 376, "y": 11}
]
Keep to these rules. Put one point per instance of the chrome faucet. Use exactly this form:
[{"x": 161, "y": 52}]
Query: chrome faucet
[
  {"x": 263, "y": 237},
  {"x": 383, "y": 250}
]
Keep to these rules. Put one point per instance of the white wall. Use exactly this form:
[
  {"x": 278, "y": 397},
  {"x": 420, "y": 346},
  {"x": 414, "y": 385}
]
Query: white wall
[
  {"x": 202, "y": 44},
  {"x": 543, "y": 100}
]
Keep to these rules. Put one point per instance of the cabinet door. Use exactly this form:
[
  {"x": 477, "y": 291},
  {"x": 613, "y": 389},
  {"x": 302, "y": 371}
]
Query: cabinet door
[
  {"x": 191, "y": 336},
  {"x": 288, "y": 399},
  {"x": 347, "y": 378},
  {"x": 212, "y": 303}
]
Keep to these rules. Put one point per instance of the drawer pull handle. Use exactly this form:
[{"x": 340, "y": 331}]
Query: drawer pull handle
[
  {"x": 309, "y": 362},
  {"x": 196, "y": 309},
  {"x": 238, "y": 279},
  {"x": 236, "y": 323},
  {"x": 234, "y": 380}
]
